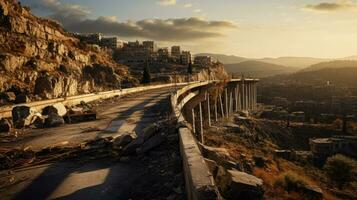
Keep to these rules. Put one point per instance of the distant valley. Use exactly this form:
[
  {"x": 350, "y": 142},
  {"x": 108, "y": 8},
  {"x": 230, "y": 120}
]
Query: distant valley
[{"x": 266, "y": 67}]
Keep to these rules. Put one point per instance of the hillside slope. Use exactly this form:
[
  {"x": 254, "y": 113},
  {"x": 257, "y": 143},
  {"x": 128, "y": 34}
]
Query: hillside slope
[
  {"x": 297, "y": 62},
  {"x": 39, "y": 59},
  {"x": 332, "y": 64},
  {"x": 345, "y": 77},
  {"x": 258, "y": 69},
  {"x": 225, "y": 59}
]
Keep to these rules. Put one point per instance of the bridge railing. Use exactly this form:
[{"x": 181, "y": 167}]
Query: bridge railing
[
  {"x": 5, "y": 111},
  {"x": 199, "y": 181}
]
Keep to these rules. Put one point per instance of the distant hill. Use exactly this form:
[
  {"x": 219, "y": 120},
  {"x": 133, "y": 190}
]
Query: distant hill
[
  {"x": 258, "y": 68},
  {"x": 346, "y": 77},
  {"x": 332, "y": 64},
  {"x": 225, "y": 59},
  {"x": 297, "y": 62},
  {"x": 349, "y": 58}
]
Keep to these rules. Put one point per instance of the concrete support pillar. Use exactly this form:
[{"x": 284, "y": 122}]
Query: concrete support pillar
[
  {"x": 221, "y": 103},
  {"x": 243, "y": 96},
  {"x": 209, "y": 110},
  {"x": 250, "y": 97},
  {"x": 236, "y": 98},
  {"x": 215, "y": 110},
  {"x": 226, "y": 101},
  {"x": 193, "y": 121},
  {"x": 256, "y": 96},
  {"x": 201, "y": 123},
  {"x": 242, "y": 86},
  {"x": 232, "y": 103}
]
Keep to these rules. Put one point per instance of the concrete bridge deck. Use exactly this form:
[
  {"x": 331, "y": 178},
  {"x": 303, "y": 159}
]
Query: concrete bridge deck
[{"x": 99, "y": 179}]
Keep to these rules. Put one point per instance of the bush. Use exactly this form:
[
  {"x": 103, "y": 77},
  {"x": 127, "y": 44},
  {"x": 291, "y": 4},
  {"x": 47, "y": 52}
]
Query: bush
[
  {"x": 290, "y": 181},
  {"x": 341, "y": 170}
]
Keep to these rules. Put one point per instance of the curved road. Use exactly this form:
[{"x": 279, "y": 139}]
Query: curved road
[{"x": 157, "y": 175}]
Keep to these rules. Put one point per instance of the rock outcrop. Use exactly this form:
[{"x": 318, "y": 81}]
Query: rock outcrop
[{"x": 38, "y": 56}]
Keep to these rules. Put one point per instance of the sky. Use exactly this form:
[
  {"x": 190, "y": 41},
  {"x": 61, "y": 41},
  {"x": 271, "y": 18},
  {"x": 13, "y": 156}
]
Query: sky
[{"x": 248, "y": 28}]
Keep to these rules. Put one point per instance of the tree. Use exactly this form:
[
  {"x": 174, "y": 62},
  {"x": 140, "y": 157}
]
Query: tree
[
  {"x": 340, "y": 170},
  {"x": 146, "y": 76}
]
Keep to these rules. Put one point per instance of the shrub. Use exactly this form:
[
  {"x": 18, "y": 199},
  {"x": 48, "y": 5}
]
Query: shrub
[
  {"x": 340, "y": 170},
  {"x": 290, "y": 181}
]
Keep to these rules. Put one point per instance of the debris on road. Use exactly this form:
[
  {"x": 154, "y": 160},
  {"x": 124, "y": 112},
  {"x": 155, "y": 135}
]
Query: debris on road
[
  {"x": 5, "y": 125},
  {"x": 53, "y": 120}
]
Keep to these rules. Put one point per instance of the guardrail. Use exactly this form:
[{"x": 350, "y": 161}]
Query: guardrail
[
  {"x": 5, "y": 111},
  {"x": 198, "y": 179}
]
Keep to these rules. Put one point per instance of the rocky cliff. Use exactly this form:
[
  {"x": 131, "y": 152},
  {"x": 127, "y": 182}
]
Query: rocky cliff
[{"x": 39, "y": 59}]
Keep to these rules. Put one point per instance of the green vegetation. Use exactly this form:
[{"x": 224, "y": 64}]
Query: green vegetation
[
  {"x": 341, "y": 170},
  {"x": 146, "y": 76},
  {"x": 290, "y": 181}
]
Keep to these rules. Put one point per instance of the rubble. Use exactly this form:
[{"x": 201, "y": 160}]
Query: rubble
[
  {"x": 259, "y": 161},
  {"x": 21, "y": 116},
  {"x": 5, "y": 125},
  {"x": 53, "y": 120},
  {"x": 121, "y": 141},
  {"x": 312, "y": 192},
  {"x": 22, "y": 98},
  {"x": 238, "y": 185},
  {"x": 151, "y": 143},
  {"x": 61, "y": 109},
  {"x": 8, "y": 96},
  {"x": 48, "y": 110},
  {"x": 219, "y": 155},
  {"x": 149, "y": 131}
]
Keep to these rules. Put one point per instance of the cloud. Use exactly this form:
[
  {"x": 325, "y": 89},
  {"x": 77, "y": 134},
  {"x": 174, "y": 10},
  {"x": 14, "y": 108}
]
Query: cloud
[
  {"x": 340, "y": 5},
  {"x": 167, "y": 2},
  {"x": 76, "y": 19},
  {"x": 188, "y": 5},
  {"x": 197, "y": 10},
  {"x": 182, "y": 29}
]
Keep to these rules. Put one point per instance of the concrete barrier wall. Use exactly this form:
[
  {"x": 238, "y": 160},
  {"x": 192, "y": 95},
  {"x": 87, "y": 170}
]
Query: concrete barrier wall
[
  {"x": 198, "y": 179},
  {"x": 5, "y": 111}
]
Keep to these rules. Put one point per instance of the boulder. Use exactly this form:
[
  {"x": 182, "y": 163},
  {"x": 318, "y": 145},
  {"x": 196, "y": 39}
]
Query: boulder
[
  {"x": 61, "y": 109},
  {"x": 259, "y": 161},
  {"x": 48, "y": 110},
  {"x": 8, "y": 96},
  {"x": 122, "y": 141},
  {"x": 53, "y": 120},
  {"x": 149, "y": 131},
  {"x": 212, "y": 166},
  {"x": 151, "y": 143},
  {"x": 219, "y": 155},
  {"x": 238, "y": 185},
  {"x": 38, "y": 121},
  {"x": 57, "y": 108},
  {"x": 312, "y": 192},
  {"x": 5, "y": 125},
  {"x": 20, "y": 115},
  {"x": 22, "y": 98}
]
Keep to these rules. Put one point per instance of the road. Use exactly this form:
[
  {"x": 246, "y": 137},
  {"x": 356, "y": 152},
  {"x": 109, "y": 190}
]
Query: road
[
  {"x": 114, "y": 117},
  {"x": 156, "y": 175}
]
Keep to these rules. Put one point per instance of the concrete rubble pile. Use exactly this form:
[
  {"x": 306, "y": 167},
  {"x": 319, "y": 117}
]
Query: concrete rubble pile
[
  {"x": 229, "y": 177},
  {"x": 50, "y": 116},
  {"x": 120, "y": 147}
]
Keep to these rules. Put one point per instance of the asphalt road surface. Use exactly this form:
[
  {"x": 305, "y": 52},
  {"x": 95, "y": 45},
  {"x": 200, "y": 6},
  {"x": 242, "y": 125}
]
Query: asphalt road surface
[{"x": 155, "y": 175}]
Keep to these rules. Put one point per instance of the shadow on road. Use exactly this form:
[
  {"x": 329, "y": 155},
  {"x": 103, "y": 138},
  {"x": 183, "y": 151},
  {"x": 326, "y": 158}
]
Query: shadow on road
[{"x": 100, "y": 179}]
